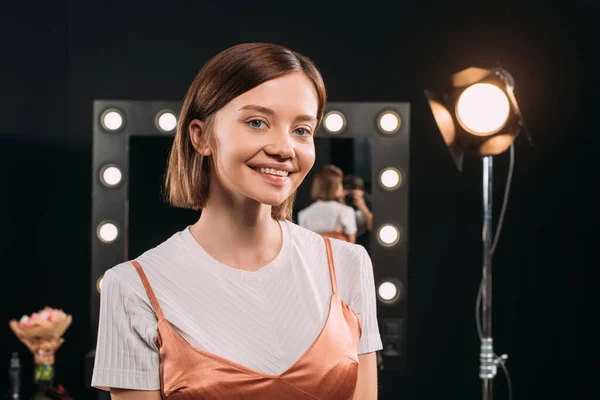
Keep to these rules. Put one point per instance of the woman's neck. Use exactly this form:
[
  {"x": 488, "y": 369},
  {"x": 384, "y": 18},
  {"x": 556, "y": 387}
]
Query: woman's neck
[{"x": 243, "y": 236}]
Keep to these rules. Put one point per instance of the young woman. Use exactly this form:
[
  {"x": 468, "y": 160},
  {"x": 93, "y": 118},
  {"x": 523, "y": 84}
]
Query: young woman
[
  {"x": 327, "y": 215},
  {"x": 243, "y": 304}
]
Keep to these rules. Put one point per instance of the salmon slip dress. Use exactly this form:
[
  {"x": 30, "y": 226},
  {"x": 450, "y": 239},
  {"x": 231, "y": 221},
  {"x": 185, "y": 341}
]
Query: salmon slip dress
[{"x": 327, "y": 370}]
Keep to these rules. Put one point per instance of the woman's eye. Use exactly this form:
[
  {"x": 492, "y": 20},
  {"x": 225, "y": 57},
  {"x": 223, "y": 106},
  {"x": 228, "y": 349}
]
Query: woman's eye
[
  {"x": 303, "y": 132},
  {"x": 256, "y": 123}
]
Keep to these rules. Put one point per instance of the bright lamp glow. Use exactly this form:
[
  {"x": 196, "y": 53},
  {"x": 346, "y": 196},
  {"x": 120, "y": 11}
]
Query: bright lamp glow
[
  {"x": 111, "y": 175},
  {"x": 388, "y": 235},
  {"x": 390, "y": 178},
  {"x": 482, "y": 109},
  {"x": 389, "y": 122},
  {"x": 334, "y": 121},
  {"x": 108, "y": 232},
  {"x": 166, "y": 121},
  {"x": 387, "y": 291},
  {"x": 99, "y": 284},
  {"x": 112, "y": 120}
]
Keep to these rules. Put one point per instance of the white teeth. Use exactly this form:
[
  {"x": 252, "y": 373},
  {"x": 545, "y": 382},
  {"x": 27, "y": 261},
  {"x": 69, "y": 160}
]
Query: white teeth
[{"x": 273, "y": 171}]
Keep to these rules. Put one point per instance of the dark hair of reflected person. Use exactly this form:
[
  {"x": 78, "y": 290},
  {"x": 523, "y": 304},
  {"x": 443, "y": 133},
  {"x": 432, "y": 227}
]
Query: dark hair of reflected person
[
  {"x": 221, "y": 79},
  {"x": 352, "y": 182},
  {"x": 326, "y": 183}
]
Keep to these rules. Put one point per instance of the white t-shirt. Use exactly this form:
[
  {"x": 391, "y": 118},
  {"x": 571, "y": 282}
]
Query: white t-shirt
[
  {"x": 264, "y": 320},
  {"x": 328, "y": 216}
]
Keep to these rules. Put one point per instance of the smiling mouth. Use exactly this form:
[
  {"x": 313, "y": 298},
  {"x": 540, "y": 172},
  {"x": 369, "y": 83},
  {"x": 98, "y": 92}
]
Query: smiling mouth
[{"x": 273, "y": 172}]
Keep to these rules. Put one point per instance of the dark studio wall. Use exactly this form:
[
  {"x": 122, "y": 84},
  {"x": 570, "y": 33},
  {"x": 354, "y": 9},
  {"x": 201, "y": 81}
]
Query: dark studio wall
[{"x": 57, "y": 57}]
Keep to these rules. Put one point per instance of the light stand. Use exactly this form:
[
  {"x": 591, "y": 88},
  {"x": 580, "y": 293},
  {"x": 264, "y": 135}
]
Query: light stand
[
  {"x": 487, "y": 367},
  {"x": 478, "y": 113}
]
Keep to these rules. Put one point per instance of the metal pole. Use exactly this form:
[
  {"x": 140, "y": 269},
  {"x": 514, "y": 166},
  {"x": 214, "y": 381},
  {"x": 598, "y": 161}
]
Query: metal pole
[{"x": 488, "y": 368}]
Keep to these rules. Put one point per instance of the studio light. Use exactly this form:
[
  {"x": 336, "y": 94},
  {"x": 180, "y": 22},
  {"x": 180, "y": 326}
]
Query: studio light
[
  {"x": 388, "y": 122},
  {"x": 111, "y": 120},
  {"x": 477, "y": 113},
  {"x": 482, "y": 109},
  {"x": 388, "y": 235},
  {"x": 107, "y": 232},
  {"x": 111, "y": 175},
  {"x": 390, "y": 178},
  {"x": 334, "y": 122},
  {"x": 166, "y": 121}
]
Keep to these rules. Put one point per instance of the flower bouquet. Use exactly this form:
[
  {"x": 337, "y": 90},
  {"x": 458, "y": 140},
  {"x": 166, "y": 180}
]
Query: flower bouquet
[{"x": 41, "y": 333}]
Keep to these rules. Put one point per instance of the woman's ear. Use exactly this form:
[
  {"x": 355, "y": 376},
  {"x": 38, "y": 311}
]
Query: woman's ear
[{"x": 198, "y": 137}]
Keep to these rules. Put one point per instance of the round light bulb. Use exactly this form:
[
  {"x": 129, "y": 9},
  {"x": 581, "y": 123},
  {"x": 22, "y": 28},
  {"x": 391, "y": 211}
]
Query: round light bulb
[
  {"x": 167, "y": 121},
  {"x": 482, "y": 109},
  {"x": 334, "y": 122},
  {"x": 388, "y": 291},
  {"x": 388, "y": 235},
  {"x": 111, "y": 176},
  {"x": 389, "y": 122},
  {"x": 112, "y": 120},
  {"x": 390, "y": 178},
  {"x": 99, "y": 284},
  {"x": 108, "y": 232}
]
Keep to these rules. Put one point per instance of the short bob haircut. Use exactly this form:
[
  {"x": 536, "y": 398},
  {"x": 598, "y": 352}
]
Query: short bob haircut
[
  {"x": 224, "y": 77},
  {"x": 326, "y": 183}
]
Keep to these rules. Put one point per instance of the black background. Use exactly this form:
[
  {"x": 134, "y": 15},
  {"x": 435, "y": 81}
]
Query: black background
[{"x": 57, "y": 57}]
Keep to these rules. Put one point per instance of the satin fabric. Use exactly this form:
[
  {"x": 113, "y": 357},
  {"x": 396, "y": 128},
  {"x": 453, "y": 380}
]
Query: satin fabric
[{"x": 327, "y": 370}]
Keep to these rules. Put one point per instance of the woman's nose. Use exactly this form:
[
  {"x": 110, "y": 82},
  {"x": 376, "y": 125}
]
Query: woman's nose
[{"x": 281, "y": 144}]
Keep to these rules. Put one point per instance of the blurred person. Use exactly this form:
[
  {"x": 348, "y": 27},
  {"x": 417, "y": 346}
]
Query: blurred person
[
  {"x": 327, "y": 215},
  {"x": 356, "y": 197},
  {"x": 243, "y": 303}
]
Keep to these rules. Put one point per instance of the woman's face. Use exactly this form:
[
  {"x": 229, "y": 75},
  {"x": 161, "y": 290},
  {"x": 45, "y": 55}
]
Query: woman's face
[{"x": 262, "y": 141}]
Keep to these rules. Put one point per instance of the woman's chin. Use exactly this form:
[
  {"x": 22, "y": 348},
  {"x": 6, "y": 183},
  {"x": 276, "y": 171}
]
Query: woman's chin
[{"x": 272, "y": 201}]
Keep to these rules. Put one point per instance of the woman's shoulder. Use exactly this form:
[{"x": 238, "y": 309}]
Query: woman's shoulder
[
  {"x": 122, "y": 278},
  {"x": 341, "y": 249},
  {"x": 347, "y": 208},
  {"x": 300, "y": 234},
  {"x": 347, "y": 251},
  {"x": 125, "y": 274}
]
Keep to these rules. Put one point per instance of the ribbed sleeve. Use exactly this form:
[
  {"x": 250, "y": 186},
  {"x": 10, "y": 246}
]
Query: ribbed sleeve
[{"x": 123, "y": 358}]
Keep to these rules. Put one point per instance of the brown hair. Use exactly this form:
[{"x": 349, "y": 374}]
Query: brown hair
[
  {"x": 326, "y": 183},
  {"x": 352, "y": 182},
  {"x": 225, "y": 76}
]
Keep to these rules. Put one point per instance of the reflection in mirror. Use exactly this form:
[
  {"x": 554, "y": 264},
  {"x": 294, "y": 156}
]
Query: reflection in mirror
[{"x": 343, "y": 212}]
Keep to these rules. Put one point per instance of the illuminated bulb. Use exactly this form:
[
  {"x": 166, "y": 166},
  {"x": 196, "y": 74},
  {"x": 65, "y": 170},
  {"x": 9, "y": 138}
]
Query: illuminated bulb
[
  {"x": 108, "y": 232},
  {"x": 167, "y": 121},
  {"x": 111, "y": 176},
  {"x": 112, "y": 120},
  {"x": 387, "y": 291},
  {"x": 482, "y": 109},
  {"x": 388, "y": 235},
  {"x": 389, "y": 122},
  {"x": 334, "y": 122},
  {"x": 390, "y": 178},
  {"x": 99, "y": 284}
]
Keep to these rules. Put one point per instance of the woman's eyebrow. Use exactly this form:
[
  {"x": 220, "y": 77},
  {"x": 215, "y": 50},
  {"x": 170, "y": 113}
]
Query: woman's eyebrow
[
  {"x": 258, "y": 108},
  {"x": 268, "y": 111}
]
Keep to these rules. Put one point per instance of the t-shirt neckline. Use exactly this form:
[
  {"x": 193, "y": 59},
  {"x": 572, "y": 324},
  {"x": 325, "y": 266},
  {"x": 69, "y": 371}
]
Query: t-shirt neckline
[{"x": 219, "y": 268}]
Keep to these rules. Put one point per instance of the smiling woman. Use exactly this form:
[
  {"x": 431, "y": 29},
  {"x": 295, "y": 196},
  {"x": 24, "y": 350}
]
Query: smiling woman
[
  {"x": 243, "y": 303},
  {"x": 268, "y": 127}
]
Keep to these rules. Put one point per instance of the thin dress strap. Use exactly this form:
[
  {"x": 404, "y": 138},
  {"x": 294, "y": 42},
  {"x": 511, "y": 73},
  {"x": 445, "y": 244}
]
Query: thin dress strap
[
  {"x": 331, "y": 266},
  {"x": 149, "y": 291}
]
